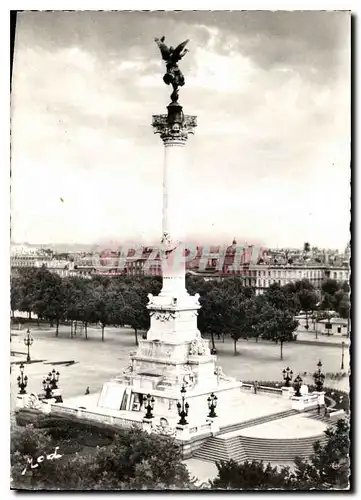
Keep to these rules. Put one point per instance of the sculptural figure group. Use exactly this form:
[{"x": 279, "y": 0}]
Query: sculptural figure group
[{"x": 171, "y": 56}]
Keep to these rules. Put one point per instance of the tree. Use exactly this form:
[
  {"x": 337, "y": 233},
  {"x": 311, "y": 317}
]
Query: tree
[
  {"x": 341, "y": 301},
  {"x": 27, "y": 289},
  {"x": 329, "y": 465},
  {"x": 253, "y": 311},
  {"x": 282, "y": 298},
  {"x": 135, "y": 309},
  {"x": 330, "y": 287},
  {"x": 308, "y": 302},
  {"x": 100, "y": 303},
  {"x": 248, "y": 475},
  {"x": 327, "y": 468},
  {"x": 277, "y": 325},
  {"x": 133, "y": 460},
  {"x": 211, "y": 318},
  {"x": 235, "y": 319},
  {"x": 306, "y": 247},
  {"x": 328, "y": 302},
  {"x": 27, "y": 444},
  {"x": 50, "y": 297},
  {"x": 15, "y": 295}
]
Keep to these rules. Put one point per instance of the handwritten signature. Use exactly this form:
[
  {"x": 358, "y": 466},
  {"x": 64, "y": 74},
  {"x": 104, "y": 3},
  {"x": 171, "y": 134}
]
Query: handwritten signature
[{"x": 52, "y": 456}]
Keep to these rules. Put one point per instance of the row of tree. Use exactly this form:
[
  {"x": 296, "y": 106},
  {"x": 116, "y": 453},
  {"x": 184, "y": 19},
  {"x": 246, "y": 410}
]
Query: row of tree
[
  {"x": 228, "y": 307},
  {"x": 103, "y": 301},
  {"x": 135, "y": 460}
]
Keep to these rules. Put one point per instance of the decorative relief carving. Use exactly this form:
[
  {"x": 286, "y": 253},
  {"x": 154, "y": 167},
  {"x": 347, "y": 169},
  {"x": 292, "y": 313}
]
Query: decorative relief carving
[
  {"x": 174, "y": 131},
  {"x": 163, "y": 428},
  {"x": 128, "y": 370},
  {"x": 221, "y": 376},
  {"x": 198, "y": 347},
  {"x": 189, "y": 378},
  {"x": 32, "y": 401},
  {"x": 163, "y": 316}
]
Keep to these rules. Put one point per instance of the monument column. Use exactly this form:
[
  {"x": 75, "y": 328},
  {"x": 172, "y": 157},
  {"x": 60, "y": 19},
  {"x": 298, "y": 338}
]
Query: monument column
[{"x": 173, "y": 129}]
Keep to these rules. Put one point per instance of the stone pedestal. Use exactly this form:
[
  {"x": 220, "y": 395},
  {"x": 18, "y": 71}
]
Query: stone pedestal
[
  {"x": 304, "y": 389},
  {"x": 321, "y": 398},
  {"x": 214, "y": 424},
  {"x": 147, "y": 424},
  {"x": 287, "y": 392},
  {"x": 297, "y": 403},
  {"x": 20, "y": 400},
  {"x": 182, "y": 433},
  {"x": 306, "y": 401}
]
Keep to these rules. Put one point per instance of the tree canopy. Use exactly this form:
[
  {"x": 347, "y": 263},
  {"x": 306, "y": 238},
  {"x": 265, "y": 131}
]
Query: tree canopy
[{"x": 134, "y": 460}]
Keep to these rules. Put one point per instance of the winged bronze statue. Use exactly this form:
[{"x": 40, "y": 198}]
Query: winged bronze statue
[{"x": 171, "y": 56}]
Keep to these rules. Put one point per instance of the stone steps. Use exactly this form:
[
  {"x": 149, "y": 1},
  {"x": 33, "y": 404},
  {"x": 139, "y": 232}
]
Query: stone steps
[
  {"x": 213, "y": 450},
  {"x": 241, "y": 448},
  {"x": 320, "y": 418},
  {"x": 225, "y": 448},
  {"x": 278, "y": 449}
]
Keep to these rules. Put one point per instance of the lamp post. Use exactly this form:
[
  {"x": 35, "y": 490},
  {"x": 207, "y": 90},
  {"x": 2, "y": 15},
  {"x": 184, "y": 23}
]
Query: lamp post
[
  {"x": 149, "y": 407},
  {"x": 342, "y": 355},
  {"x": 307, "y": 325},
  {"x": 183, "y": 408},
  {"x": 319, "y": 377},
  {"x": 287, "y": 376},
  {"x": 48, "y": 388},
  {"x": 212, "y": 404},
  {"x": 297, "y": 386},
  {"x": 54, "y": 379},
  {"x": 28, "y": 341},
  {"x": 22, "y": 380}
]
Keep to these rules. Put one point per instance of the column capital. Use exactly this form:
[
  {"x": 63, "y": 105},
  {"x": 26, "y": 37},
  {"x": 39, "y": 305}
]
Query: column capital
[{"x": 174, "y": 133}]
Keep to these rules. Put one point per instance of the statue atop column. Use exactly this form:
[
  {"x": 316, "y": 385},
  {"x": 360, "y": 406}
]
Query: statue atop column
[{"x": 171, "y": 56}]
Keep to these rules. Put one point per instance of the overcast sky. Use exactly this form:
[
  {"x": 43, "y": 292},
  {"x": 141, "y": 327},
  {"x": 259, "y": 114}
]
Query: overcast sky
[{"x": 269, "y": 162}]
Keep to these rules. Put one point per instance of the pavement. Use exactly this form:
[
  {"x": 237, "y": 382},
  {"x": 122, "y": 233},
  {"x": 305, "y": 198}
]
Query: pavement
[
  {"x": 332, "y": 340},
  {"x": 91, "y": 362},
  {"x": 293, "y": 427},
  {"x": 202, "y": 470}
]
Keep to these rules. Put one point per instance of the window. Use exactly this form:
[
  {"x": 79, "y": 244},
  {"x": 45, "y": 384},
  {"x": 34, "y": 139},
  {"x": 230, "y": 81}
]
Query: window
[
  {"x": 335, "y": 276},
  {"x": 338, "y": 329}
]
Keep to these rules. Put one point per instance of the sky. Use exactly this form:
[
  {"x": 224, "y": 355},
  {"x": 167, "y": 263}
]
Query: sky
[{"x": 270, "y": 159}]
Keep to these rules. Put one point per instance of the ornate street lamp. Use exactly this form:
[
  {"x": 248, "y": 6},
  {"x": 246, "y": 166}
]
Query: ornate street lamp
[
  {"x": 149, "y": 406},
  {"x": 48, "y": 387},
  {"x": 287, "y": 376},
  {"x": 297, "y": 386},
  {"x": 22, "y": 381},
  {"x": 212, "y": 404},
  {"x": 183, "y": 408},
  {"x": 319, "y": 377},
  {"x": 28, "y": 341},
  {"x": 342, "y": 355},
  {"x": 54, "y": 378}
]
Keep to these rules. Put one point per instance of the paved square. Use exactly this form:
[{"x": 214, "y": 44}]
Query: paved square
[{"x": 96, "y": 362}]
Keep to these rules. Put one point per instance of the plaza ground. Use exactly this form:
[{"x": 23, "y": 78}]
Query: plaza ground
[{"x": 89, "y": 363}]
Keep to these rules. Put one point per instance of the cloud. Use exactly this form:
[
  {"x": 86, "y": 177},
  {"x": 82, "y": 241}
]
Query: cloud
[{"x": 271, "y": 92}]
